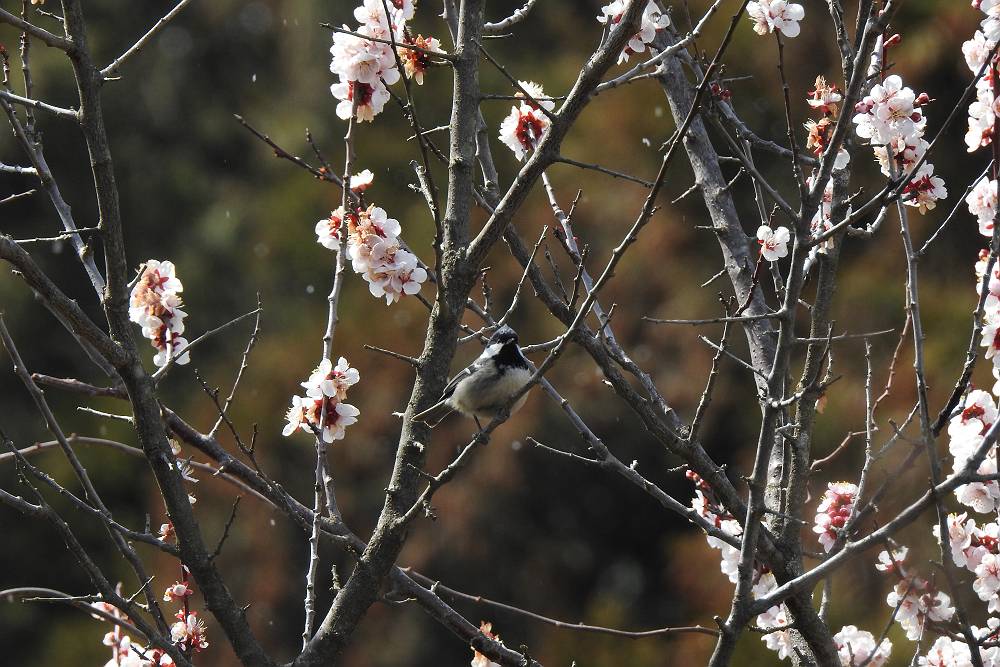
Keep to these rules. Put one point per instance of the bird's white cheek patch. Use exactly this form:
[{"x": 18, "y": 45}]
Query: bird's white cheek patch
[{"x": 491, "y": 350}]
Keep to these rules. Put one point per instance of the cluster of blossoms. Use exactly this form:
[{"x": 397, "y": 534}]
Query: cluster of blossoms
[
  {"x": 977, "y": 549},
  {"x": 155, "y": 305},
  {"x": 323, "y": 405},
  {"x": 966, "y": 432},
  {"x": 947, "y": 652},
  {"x": 973, "y": 547},
  {"x": 891, "y": 119},
  {"x": 124, "y": 652},
  {"x": 979, "y": 410},
  {"x": 977, "y": 50},
  {"x": 857, "y": 647},
  {"x": 478, "y": 659},
  {"x": 833, "y": 512},
  {"x": 374, "y": 246},
  {"x": 187, "y": 633},
  {"x": 919, "y": 602},
  {"x": 771, "y": 15},
  {"x": 653, "y": 20},
  {"x": 365, "y": 61},
  {"x": 707, "y": 505},
  {"x": 524, "y": 126},
  {"x": 824, "y": 99}
]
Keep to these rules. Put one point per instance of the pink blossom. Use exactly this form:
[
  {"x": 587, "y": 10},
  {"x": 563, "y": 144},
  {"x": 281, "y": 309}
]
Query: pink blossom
[{"x": 833, "y": 512}]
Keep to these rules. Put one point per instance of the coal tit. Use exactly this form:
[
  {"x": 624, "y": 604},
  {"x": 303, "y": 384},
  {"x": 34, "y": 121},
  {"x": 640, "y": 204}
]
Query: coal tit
[{"x": 485, "y": 386}]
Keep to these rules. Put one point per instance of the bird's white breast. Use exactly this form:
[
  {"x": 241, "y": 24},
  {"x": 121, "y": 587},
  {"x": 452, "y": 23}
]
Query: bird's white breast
[{"x": 486, "y": 393}]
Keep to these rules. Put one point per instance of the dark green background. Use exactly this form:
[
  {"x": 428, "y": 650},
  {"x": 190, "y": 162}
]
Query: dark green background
[{"x": 517, "y": 525}]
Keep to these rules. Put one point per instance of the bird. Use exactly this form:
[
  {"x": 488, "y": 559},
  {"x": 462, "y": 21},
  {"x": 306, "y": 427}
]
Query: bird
[{"x": 485, "y": 386}]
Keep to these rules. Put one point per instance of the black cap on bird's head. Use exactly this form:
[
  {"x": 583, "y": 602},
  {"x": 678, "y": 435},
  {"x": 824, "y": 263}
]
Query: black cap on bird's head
[{"x": 504, "y": 335}]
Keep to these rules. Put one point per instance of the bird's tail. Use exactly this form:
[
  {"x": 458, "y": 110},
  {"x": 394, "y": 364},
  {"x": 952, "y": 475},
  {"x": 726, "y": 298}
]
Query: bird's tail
[{"x": 433, "y": 415}]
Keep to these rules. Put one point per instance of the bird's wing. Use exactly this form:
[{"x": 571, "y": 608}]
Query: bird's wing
[
  {"x": 441, "y": 409},
  {"x": 464, "y": 373}
]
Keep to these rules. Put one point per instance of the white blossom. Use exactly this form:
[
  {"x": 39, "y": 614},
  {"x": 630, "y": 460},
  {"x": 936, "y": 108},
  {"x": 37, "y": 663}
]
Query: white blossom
[
  {"x": 773, "y": 242},
  {"x": 772, "y": 15},
  {"x": 652, "y": 21},
  {"x": 857, "y": 647}
]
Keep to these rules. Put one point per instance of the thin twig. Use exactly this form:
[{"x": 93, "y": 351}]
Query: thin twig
[{"x": 145, "y": 39}]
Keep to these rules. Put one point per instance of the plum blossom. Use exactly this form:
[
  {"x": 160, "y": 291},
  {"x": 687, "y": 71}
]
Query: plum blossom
[
  {"x": 524, "y": 126},
  {"x": 857, "y": 647},
  {"x": 891, "y": 119},
  {"x": 982, "y": 202},
  {"x": 978, "y": 413},
  {"x": 177, "y": 591},
  {"x": 125, "y": 652},
  {"x": 924, "y": 189},
  {"x": 982, "y": 112},
  {"x": 961, "y": 531},
  {"x": 155, "y": 305},
  {"x": 653, "y": 20},
  {"x": 375, "y": 251},
  {"x": 188, "y": 633},
  {"x": 886, "y": 112},
  {"x": 991, "y": 334},
  {"x": 365, "y": 62},
  {"x": 992, "y": 303},
  {"x": 987, "y": 582},
  {"x": 833, "y": 512},
  {"x": 906, "y": 151},
  {"x": 892, "y": 562},
  {"x": 362, "y": 181},
  {"x": 328, "y": 229},
  {"x": 966, "y": 430},
  {"x": 371, "y": 99},
  {"x": 918, "y": 602},
  {"x": 779, "y": 641},
  {"x": 824, "y": 98},
  {"x": 819, "y": 134},
  {"x": 705, "y": 503},
  {"x": 976, "y": 50},
  {"x": 775, "y": 618},
  {"x": 326, "y": 391},
  {"x": 394, "y": 272},
  {"x": 478, "y": 659},
  {"x": 773, "y": 242},
  {"x": 982, "y": 497},
  {"x": 946, "y": 652},
  {"x": 779, "y": 15},
  {"x": 981, "y": 117},
  {"x": 415, "y": 63}
]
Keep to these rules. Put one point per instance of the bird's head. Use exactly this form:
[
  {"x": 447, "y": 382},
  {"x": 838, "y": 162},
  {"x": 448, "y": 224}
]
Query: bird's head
[{"x": 504, "y": 336}]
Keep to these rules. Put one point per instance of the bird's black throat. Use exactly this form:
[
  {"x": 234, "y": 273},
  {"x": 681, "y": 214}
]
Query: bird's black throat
[{"x": 510, "y": 357}]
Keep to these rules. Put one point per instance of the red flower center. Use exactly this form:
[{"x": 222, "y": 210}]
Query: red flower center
[
  {"x": 529, "y": 129},
  {"x": 364, "y": 92},
  {"x": 973, "y": 412}
]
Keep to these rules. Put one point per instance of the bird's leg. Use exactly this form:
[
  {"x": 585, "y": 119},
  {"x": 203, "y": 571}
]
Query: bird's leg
[{"x": 478, "y": 425}]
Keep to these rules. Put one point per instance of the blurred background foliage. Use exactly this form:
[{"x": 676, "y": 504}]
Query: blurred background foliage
[{"x": 517, "y": 526}]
